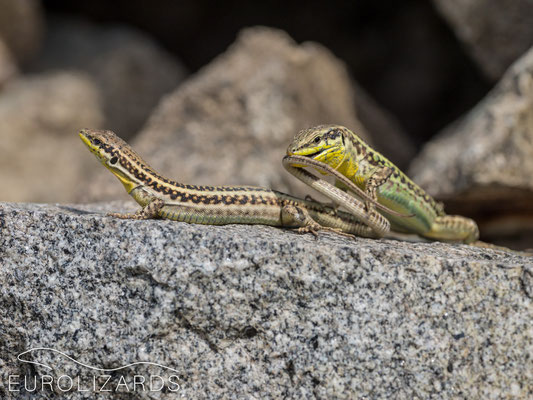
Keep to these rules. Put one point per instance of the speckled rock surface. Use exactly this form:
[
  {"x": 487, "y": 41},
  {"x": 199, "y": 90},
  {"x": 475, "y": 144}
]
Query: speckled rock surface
[
  {"x": 495, "y": 32},
  {"x": 483, "y": 165},
  {"x": 232, "y": 122},
  {"x": 41, "y": 157},
  {"x": 130, "y": 70},
  {"x": 259, "y": 312}
]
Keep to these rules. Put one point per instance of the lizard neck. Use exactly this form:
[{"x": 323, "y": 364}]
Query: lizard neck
[
  {"x": 351, "y": 165},
  {"x": 132, "y": 171}
]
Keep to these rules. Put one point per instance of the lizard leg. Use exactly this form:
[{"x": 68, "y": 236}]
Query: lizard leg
[
  {"x": 453, "y": 228},
  {"x": 293, "y": 215},
  {"x": 377, "y": 223},
  {"x": 292, "y": 165},
  {"x": 151, "y": 210},
  {"x": 378, "y": 178}
]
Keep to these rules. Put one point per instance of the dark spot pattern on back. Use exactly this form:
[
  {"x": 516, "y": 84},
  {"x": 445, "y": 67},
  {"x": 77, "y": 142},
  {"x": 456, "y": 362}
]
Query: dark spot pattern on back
[{"x": 135, "y": 165}]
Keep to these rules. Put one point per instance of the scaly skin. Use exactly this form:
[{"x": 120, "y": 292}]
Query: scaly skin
[
  {"x": 342, "y": 150},
  {"x": 215, "y": 205}
]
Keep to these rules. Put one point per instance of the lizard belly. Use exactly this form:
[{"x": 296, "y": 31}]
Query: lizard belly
[
  {"x": 421, "y": 219},
  {"x": 222, "y": 215}
]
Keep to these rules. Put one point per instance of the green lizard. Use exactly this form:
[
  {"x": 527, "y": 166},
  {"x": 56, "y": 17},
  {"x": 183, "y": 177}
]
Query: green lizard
[
  {"x": 218, "y": 205},
  {"x": 358, "y": 168}
]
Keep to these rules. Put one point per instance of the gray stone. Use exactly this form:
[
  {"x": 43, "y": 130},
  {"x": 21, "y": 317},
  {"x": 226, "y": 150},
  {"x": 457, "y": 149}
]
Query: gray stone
[
  {"x": 41, "y": 156},
  {"x": 21, "y": 27},
  {"x": 495, "y": 32},
  {"x": 130, "y": 70},
  {"x": 232, "y": 122},
  {"x": 260, "y": 312},
  {"x": 482, "y": 165}
]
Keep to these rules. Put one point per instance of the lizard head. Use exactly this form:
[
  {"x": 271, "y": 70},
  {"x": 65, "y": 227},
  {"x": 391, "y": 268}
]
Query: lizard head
[
  {"x": 114, "y": 153},
  {"x": 324, "y": 143},
  {"x": 105, "y": 145}
]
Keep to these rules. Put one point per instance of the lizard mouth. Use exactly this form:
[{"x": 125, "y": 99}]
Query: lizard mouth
[{"x": 316, "y": 153}]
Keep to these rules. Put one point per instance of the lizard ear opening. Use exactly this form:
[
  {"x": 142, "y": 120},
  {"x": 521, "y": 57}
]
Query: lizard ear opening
[{"x": 113, "y": 160}]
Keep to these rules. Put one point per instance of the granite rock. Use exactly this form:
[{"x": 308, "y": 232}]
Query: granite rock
[
  {"x": 231, "y": 122},
  {"x": 129, "y": 69},
  {"x": 21, "y": 27},
  {"x": 495, "y": 32},
  {"x": 482, "y": 165},
  {"x": 41, "y": 157},
  {"x": 259, "y": 312}
]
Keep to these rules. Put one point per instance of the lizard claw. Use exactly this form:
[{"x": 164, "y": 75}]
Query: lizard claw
[{"x": 309, "y": 229}]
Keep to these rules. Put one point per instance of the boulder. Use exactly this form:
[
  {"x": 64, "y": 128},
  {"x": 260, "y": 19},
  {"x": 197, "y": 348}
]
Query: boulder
[
  {"x": 482, "y": 165},
  {"x": 129, "y": 69},
  {"x": 496, "y": 33},
  {"x": 8, "y": 67},
  {"x": 232, "y": 122},
  {"x": 257, "y": 312},
  {"x": 41, "y": 156},
  {"x": 22, "y": 28}
]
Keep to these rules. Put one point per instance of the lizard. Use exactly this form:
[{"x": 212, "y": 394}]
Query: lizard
[
  {"x": 357, "y": 167},
  {"x": 161, "y": 197}
]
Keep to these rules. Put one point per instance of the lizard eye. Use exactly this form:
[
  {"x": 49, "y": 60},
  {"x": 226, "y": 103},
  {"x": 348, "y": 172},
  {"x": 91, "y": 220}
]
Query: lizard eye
[
  {"x": 113, "y": 160},
  {"x": 97, "y": 142},
  {"x": 317, "y": 140}
]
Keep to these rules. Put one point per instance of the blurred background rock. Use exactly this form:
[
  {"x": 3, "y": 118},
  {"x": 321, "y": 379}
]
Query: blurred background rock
[{"x": 206, "y": 101}]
